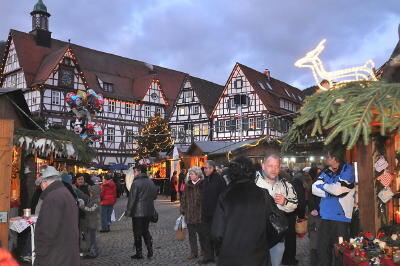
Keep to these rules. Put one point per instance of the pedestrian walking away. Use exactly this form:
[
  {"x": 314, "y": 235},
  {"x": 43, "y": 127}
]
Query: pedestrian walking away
[{"x": 140, "y": 207}]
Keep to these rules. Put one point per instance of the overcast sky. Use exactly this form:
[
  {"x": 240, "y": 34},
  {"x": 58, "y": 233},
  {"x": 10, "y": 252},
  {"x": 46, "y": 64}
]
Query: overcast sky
[{"x": 206, "y": 37}]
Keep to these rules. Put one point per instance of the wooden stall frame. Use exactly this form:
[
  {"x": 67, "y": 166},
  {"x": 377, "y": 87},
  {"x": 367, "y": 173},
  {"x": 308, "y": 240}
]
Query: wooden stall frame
[{"x": 6, "y": 146}]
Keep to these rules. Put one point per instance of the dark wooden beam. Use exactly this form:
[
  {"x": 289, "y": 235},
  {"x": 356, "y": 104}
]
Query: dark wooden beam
[{"x": 367, "y": 202}]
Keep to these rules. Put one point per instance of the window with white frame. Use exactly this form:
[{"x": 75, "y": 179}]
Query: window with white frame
[
  {"x": 173, "y": 132},
  {"x": 187, "y": 96},
  {"x": 109, "y": 87},
  {"x": 205, "y": 130},
  {"x": 251, "y": 123},
  {"x": 159, "y": 110},
  {"x": 129, "y": 136},
  {"x": 147, "y": 111},
  {"x": 220, "y": 126},
  {"x": 111, "y": 106},
  {"x": 128, "y": 108},
  {"x": 196, "y": 130},
  {"x": 55, "y": 97},
  {"x": 196, "y": 110},
  {"x": 259, "y": 122},
  {"x": 238, "y": 83},
  {"x": 182, "y": 111},
  {"x": 110, "y": 134},
  {"x": 231, "y": 103}
]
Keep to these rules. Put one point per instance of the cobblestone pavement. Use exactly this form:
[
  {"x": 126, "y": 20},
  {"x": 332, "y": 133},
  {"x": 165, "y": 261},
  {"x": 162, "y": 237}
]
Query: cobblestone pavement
[{"x": 116, "y": 247}]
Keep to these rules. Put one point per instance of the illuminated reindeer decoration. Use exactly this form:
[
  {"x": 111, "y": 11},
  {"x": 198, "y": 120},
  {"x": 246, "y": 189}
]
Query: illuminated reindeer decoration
[{"x": 312, "y": 60}]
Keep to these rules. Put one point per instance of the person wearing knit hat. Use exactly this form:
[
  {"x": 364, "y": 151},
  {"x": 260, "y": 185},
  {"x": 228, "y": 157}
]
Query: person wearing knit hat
[{"x": 56, "y": 230}]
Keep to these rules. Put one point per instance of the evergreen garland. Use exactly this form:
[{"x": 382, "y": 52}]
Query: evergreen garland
[
  {"x": 347, "y": 111},
  {"x": 155, "y": 137},
  {"x": 60, "y": 138}
]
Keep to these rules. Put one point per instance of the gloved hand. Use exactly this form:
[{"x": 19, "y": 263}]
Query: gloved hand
[{"x": 81, "y": 203}]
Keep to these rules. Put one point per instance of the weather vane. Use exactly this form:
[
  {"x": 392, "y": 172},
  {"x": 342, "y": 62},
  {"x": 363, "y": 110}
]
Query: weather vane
[{"x": 312, "y": 60}]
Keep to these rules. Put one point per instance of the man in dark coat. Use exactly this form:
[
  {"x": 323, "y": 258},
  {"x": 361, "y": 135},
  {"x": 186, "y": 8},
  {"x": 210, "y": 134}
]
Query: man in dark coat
[
  {"x": 240, "y": 219},
  {"x": 213, "y": 186},
  {"x": 56, "y": 232},
  {"x": 140, "y": 207}
]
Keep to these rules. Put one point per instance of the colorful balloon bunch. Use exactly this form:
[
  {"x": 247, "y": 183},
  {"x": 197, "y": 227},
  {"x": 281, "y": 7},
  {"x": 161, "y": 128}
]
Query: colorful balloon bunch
[{"x": 84, "y": 105}]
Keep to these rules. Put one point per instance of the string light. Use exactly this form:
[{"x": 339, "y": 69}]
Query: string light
[{"x": 312, "y": 61}]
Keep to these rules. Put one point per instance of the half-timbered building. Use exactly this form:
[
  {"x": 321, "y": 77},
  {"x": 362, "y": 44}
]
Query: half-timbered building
[
  {"x": 254, "y": 104},
  {"x": 48, "y": 69},
  {"x": 190, "y": 120}
]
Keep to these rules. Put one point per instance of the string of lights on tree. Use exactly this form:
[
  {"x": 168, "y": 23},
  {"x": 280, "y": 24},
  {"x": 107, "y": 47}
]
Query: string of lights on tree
[{"x": 155, "y": 137}]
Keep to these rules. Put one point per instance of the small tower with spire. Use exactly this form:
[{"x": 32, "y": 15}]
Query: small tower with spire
[{"x": 40, "y": 24}]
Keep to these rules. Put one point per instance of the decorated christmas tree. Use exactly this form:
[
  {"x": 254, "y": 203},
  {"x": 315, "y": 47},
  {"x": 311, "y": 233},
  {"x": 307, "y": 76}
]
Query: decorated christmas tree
[{"x": 155, "y": 137}]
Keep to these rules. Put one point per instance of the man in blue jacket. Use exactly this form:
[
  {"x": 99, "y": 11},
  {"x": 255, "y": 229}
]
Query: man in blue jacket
[{"x": 336, "y": 187}]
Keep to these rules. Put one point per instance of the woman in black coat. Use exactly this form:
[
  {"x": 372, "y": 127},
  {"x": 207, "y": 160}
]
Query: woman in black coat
[{"x": 240, "y": 220}]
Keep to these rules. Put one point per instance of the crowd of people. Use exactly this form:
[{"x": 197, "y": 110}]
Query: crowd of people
[
  {"x": 228, "y": 211},
  {"x": 232, "y": 213},
  {"x": 70, "y": 209}
]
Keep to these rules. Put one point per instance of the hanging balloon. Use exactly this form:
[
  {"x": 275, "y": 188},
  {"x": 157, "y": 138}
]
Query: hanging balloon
[
  {"x": 94, "y": 131},
  {"x": 82, "y": 94},
  {"x": 78, "y": 126},
  {"x": 69, "y": 99},
  {"x": 95, "y": 101}
]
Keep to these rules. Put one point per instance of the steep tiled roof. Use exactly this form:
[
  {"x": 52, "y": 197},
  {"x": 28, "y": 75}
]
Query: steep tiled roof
[
  {"x": 271, "y": 90},
  {"x": 208, "y": 93},
  {"x": 130, "y": 78}
]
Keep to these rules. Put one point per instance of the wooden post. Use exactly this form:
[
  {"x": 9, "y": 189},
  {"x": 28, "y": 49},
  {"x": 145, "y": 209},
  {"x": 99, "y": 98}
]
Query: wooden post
[
  {"x": 391, "y": 159},
  {"x": 6, "y": 145},
  {"x": 367, "y": 202}
]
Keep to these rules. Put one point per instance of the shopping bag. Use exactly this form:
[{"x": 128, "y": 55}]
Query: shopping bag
[
  {"x": 180, "y": 229},
  {"x": 113, "y": 219},
  {"x": 301, "y": 226},
  {"x": 180, "y": 234},
  {"x": 180, "y": 223}
]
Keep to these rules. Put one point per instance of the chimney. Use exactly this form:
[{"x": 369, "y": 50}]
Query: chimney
[{"x": 267, "y": 73}]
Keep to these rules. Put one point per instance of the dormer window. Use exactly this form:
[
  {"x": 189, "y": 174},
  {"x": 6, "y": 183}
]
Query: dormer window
[{"x": 108, "y": 87}]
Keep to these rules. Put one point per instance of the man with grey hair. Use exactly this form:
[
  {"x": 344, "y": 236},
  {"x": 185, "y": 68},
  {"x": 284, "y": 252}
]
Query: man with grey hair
[
  {"x": 281, "y": 190},
  {"x": 213, "y": 186},
  {"x": 56, "y": 231}
]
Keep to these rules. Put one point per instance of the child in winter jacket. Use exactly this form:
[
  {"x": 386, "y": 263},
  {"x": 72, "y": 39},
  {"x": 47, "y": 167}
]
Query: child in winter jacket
[{"x": 92, "y": 209}]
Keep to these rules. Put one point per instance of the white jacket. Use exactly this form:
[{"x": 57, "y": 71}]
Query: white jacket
[{"x": 281, "y": 186}]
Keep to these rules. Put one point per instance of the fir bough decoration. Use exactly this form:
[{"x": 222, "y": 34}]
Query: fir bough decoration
[
  {"x": 349, "y": 111},
  {"x": 60, "y": 138}
]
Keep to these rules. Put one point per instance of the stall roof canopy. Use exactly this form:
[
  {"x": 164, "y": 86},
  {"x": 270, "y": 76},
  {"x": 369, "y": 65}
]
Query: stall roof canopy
[
  {"x": 217, "y": 147},
  {"x": 17, "y": 99}
]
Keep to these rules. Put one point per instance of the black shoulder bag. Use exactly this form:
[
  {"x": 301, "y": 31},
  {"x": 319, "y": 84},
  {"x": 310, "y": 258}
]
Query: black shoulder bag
[{"x": 277, "y": 223}]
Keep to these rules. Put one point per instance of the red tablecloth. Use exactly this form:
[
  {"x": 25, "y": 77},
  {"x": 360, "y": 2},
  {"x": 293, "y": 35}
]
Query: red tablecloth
[{"x": 349, "y": 259}]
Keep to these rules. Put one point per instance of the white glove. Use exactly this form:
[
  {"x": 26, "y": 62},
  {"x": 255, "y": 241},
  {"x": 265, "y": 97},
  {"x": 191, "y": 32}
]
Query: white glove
[{"x": 81, "y": 203}]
